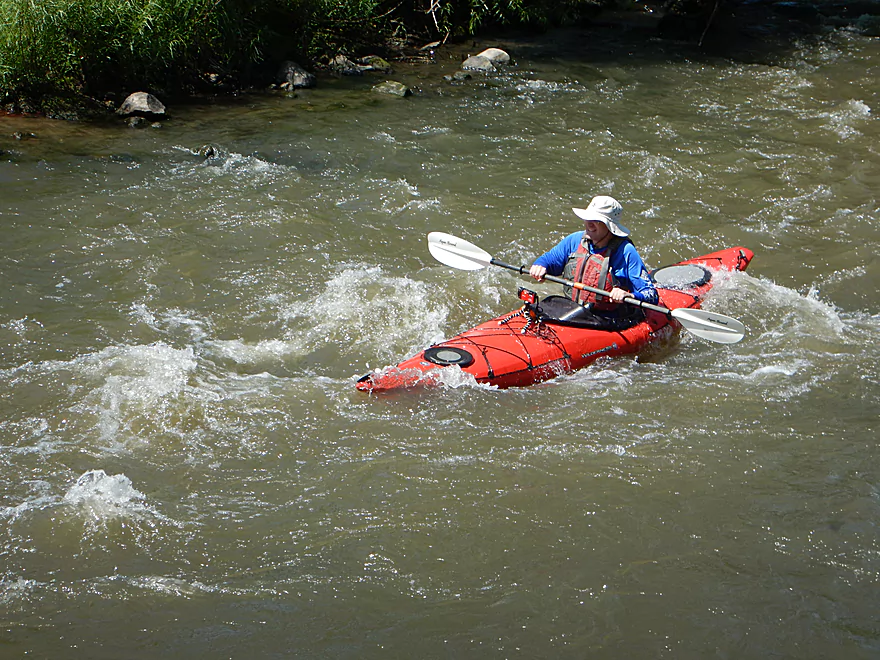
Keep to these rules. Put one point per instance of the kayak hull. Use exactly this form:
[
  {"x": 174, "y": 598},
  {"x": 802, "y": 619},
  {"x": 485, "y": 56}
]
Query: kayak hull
[{"x": 514, "y": 351}]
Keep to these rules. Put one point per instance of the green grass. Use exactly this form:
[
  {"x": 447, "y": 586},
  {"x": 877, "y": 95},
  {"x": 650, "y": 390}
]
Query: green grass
[{"x": 89, "y": 47}]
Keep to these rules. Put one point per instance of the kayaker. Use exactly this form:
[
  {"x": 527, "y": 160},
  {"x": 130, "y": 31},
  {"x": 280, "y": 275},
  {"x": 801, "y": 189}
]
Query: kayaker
[{"x": 601, "y": 256}]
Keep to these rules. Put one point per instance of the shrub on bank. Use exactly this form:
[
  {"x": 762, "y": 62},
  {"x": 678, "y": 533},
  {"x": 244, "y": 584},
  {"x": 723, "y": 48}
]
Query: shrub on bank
[{"x": 88, "y": 47}]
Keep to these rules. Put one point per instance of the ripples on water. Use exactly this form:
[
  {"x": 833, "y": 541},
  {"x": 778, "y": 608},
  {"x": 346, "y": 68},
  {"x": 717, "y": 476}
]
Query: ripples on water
[{"x": 185, "y": 459}]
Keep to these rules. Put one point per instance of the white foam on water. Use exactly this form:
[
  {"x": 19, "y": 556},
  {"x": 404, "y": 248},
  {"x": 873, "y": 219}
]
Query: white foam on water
[
  {"x": 657, "y": 171},
  {"x": 18, "y": 590},
  {"x": 795, "y": 342},
  {"x": 454, "y": 378},
  {"x": 457, "y": 459},
  {"x": 100, "y": 497},
  {"x": 846, "y": 118},
  {"x": 605, "y": 374},
  {"x": 363, "y": 308},
  {"x": 383, "y": 136},
  {"x": 13, "y": 513},
  {"x": 538, "y": 85},
  {"x": 141, "y": 313},
  {"x": 142, "y": 382},
  {"x": 770, "y": 371},
  {"x": 784, "y": 312},
  {"x": 175, "y": 321},
  {"x": 95, "y": 497},
  {"x": 432, "y": 130},
  {"x": 243, "y": 168},
  {"x": 786, "y": 212},
  {"x": 97, "y": 514},
  {"x": 266, "y": 352},
  {"x": 169, "y": 586}
]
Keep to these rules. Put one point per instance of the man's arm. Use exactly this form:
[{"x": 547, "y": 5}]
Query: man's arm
[
  {"x": 637, "y": 273},
  {"x": 554, "y": 259}
]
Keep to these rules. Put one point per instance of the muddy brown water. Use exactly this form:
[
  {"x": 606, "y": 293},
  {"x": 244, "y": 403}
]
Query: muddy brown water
[{"x": 188, "y": 471}]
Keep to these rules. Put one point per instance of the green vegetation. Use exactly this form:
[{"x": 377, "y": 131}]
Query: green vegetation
[{"x": 85, "y": 48}]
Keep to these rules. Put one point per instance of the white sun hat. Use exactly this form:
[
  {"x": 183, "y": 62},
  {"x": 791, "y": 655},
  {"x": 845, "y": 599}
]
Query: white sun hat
[{"x": 606, "y": 210}]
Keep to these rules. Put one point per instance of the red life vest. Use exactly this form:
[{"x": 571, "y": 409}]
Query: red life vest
[{"x": 591, "y": 270}]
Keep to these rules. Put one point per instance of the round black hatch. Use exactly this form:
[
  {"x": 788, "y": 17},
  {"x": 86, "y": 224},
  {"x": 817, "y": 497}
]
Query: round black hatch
[
  {"x": 681, "y": 277},
  {"x": 446, "y": 355}
]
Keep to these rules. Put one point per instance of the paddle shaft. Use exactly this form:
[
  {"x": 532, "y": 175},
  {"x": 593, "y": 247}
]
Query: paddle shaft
[{"x": 522, "y": 270}]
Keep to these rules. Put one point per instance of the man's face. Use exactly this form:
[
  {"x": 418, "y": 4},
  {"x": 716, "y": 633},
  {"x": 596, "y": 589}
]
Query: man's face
[{"x": 597, "y": 231}]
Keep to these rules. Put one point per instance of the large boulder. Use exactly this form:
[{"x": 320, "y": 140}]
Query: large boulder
[
  {"x": 486, "y": 61},
  {"x": 142, "y": 104},
  {"x": 478, "y": 63},
  {"x": 291, "y": 75},
  {"x": 496, "y": 56}
]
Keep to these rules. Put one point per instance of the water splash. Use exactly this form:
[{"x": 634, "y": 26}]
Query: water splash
[
  {"x": 364, "y": 308},
  {"x": 845, "y": 118},
  {"x": 100, "y": 497},
  {"x": 141, "y": 390}
]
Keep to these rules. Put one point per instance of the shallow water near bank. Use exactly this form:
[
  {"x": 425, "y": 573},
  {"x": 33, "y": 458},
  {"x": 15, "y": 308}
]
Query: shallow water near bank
[{"x": 188, "y": 470}]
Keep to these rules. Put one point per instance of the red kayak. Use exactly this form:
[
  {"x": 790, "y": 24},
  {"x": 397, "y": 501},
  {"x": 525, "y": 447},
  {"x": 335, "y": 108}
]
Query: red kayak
[{"x": 547, "y": 339}]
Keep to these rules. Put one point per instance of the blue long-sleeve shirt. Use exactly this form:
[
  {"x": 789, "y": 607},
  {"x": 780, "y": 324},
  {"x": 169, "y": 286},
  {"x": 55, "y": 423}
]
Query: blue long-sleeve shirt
[{"x": 626, "y": 266}]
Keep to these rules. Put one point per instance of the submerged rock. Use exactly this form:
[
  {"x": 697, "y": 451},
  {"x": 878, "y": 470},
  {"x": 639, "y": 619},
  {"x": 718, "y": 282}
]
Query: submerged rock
[
  {"x": 392, "y": 88},
  {"x": 458, "y": 76},
  {"x": 211, "y": 153}
]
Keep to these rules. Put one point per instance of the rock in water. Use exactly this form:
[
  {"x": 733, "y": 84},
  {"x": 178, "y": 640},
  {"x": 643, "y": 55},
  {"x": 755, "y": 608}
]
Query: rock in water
[
  {"x": 393, "y": 88},
  {"x": 478, "y": 63},
  {"x": 291, "y": 74},
  {"x": 142, "y": 104},
  {"x": 496, "y": 56}
]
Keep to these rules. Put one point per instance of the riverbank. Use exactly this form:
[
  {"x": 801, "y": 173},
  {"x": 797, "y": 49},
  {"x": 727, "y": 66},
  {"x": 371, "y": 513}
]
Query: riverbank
[{"x": 742, "y": 31}]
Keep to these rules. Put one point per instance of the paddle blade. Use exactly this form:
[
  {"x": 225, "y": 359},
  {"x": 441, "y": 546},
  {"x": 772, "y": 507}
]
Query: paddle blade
[
  {"x": 457, "y": 252},
  {"x": 709, "y": 325}
]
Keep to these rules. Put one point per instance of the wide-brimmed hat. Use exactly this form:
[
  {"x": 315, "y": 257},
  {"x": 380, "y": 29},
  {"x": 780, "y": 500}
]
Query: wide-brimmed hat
[{"x": 606, "y": 210}]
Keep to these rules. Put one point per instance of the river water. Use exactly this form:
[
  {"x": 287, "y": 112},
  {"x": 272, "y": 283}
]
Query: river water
[{"x": 188, "y": 471}]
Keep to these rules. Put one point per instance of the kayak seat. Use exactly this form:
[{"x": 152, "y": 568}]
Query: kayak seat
[{"x": 564, "y": 311}]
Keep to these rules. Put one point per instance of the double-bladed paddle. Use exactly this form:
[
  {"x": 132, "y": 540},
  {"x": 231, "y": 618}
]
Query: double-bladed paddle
[{"x": 459, "y": 253}]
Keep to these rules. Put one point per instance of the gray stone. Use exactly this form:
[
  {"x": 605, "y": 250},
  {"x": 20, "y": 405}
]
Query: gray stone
[
  {"x": 478, "y": 63},
  {"x": 376, "y": 63},
  {"x": 393, "y": 88},
  {"x": 496, "y": 56},
  {"x": 291, "y": 75},
  {"x": 142, "y": 104},
  {"x": 344, "y": 66},
  {"x": 458, "y": 76}
]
